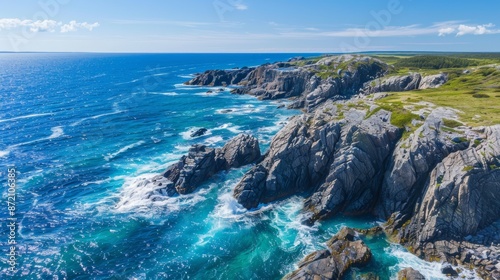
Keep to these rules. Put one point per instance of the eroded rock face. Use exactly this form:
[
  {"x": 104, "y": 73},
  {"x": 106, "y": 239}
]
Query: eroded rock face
[
  {"x": 408, "y": 82},
  {"x": 463, "y": 194},
  {"x": 340, "y": 161},
  {"x": 239, "y": 151},
  {"x": 345, "y": 250},
  {"x": 285, "y": 80},
  {"x": 411, "y": 164},
  {"x": 433, "y": 81},
  {"x": 455, "y": 217},
  {"x": 202, "y": 162},
  {"x": 220, "y": 77},
  {"x": 395, "y": 83},
  {"x": 410, "y": 274}
]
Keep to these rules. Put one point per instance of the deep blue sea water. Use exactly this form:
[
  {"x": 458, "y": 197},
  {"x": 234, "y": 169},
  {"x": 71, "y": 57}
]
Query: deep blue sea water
[{"x": 84, "y": 130}]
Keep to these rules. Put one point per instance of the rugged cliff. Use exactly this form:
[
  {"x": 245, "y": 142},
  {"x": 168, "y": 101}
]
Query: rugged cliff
[{"x": 433, "y": 179}]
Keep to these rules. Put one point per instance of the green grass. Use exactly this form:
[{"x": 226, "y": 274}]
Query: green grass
[
  {"x": 461, "y": 92},
  {"x": 451, "y": 123},
  {"x": 467, "y": 168},
  {"x": 400, "y": 117}
]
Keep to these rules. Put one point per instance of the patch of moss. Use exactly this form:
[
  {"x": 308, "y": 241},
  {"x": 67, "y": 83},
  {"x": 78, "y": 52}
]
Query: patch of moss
[
  {"x": 400, "y": 116},
  {"x": 459, "y": 140},
  {"x": 447, "y": 129},
  {"x": 467, "y": 168},
  {"x": 480, "y": 95},
  {"x": 451, "y": 123},
  {"x": 476, "y": 142}
]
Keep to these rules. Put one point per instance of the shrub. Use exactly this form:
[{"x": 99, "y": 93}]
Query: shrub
[
  {"x": 480, "y": 95},
  {"x": 435, "y": 62}
]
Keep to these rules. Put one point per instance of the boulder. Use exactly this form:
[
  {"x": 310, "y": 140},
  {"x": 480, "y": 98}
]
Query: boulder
[
  {"x": 239, "y": 151},
  {"x": 344, "y": 251},
  {"x": 433, "y": 81},
  {"x": 448, "y": 270},
  {"x": 410, "y": 274},
  {"x": 199, "y": 132}
]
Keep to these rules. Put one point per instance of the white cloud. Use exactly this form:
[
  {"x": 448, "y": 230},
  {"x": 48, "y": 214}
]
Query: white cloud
[
  {"x": 476, "y": 30},
  {"x": 462, "y": 29},
  {"x": 45, "y": 25},
  {"x": 74, "y": 26},
  {"x": 441, "y": 29},
  {"x": 446, "y": 31},
  {"x": 240, "y": 6}
]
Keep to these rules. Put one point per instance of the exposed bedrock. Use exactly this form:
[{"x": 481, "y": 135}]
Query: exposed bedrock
[
  {"x": 411, "y": 164},
  {"x": 220, "y": 77},
  {"x": 408, "y": 82},
  {"x": 202, "y": 162},
  {"x": 347, "y": 75},
  {"x": 340, "y": 162},
  {"x": 463, "y": 193},
  {"x": 344, "y": 250}
]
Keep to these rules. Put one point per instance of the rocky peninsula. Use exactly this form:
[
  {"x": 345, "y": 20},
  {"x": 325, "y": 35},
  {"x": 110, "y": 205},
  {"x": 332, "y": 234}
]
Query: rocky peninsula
[{"x": 433, "y": 179}]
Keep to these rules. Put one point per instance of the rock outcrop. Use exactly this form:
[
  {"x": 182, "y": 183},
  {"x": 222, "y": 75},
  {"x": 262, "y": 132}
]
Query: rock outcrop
[
  {"x": 340, "y": 161},
  {"x": 220, "y": 77},
  {"x": 395, "y": 83},
  {"x": 410, "y": 274},
  {"x": 411, "y": 164},
  {"x": 408, "y": 82},
  {"x": 286, "y": 80},
  {"x": 461, "y": 201},
  {"x": 437, "y": 187},
  {"x": 202, "y": 162},
  {"x": 345, "y": 250},
  {"x": 433, "y": 81}
]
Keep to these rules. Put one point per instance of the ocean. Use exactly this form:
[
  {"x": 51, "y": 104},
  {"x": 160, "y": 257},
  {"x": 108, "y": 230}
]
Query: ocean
[{"x": 83, "y": 131}]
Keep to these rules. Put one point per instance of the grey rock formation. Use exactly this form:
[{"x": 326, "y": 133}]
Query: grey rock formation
[
  {"x": 220, "y": 77},
  {"x": 411, "y": 164},
  {"x": 239, "y": 151},
  {"x": 285, "y": 80},
  {"x": 340, "y": 161},
  {"x": 202, "y": 162},
  {"x": 447, "y": 269},
  {"x": 199, "y": 132},
  {"x": 410, "y": 274},
  {"x": 462, "y": 195},
  {"x": 411, "y": 81},
  {"x": 344, "y": 251},
  {"x": 460, "y": 204},
  {"x": 352, "y": 72},
  {"x": 433, "y": 81},
  {"x": 394, "y": 83},
  {"x": 355, "y": 175}
]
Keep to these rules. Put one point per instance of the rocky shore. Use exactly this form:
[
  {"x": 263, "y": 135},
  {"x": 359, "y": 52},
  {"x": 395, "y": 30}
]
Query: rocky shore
[{"x": 436, "y": 187}]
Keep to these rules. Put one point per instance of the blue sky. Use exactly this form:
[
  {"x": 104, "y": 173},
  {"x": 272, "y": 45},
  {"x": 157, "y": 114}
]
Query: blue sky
[{"x": 249, "y": 25}]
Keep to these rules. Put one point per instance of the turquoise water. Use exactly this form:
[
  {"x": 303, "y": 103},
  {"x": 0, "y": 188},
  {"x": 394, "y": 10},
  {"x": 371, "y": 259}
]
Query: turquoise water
[{"x": 84, "y": 130}]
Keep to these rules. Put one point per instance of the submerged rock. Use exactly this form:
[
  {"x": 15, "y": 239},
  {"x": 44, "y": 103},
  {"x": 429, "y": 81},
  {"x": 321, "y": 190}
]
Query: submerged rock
[
  {"x": 345, "y": 250},
  {"x": 199, "y": 132}
]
